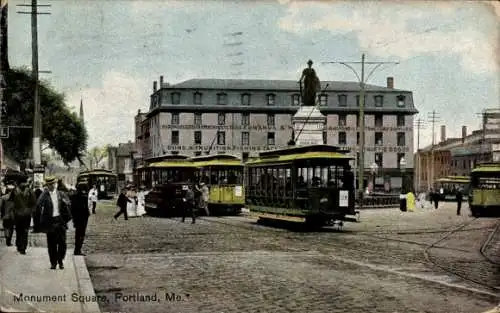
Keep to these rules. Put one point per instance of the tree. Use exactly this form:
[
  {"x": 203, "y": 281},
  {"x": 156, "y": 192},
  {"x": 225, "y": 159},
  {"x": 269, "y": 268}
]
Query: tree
[
  {"x": 62, "y": 130},
  {"x": 95, "y": 155}
]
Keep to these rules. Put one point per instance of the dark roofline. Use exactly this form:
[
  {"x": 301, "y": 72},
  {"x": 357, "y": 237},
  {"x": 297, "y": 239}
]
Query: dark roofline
[{"x": 368, "y": 87}]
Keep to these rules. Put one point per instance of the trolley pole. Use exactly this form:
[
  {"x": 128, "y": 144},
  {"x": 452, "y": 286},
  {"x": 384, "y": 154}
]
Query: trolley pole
[{"x": 362, "y": 82}]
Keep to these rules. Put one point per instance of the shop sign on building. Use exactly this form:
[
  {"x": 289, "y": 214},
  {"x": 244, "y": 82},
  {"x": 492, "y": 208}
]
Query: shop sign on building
[{"x": 222, "y": 148}]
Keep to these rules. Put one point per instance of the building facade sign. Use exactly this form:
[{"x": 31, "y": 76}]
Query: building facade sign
[
  {"x": 380, "y": 149},
  {"x": 222, "y": 148},
  {"x": 281, "y": 127},
  {"x": 383, "y": 149}
]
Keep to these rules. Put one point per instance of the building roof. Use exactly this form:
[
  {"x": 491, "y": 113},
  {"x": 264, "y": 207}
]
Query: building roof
[
  {"x": 124, "y": 149},
  {"x": 470, "y": 150},
  {"x": 261, "y": 84},
  {"x": 444, "y": 145}
]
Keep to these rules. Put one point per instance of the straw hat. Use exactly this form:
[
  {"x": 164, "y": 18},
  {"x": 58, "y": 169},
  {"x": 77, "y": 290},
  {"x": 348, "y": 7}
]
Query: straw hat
[{"x": 50, "y": 180}]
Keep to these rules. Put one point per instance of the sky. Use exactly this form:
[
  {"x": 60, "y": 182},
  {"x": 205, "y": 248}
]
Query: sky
[{"x": 108, "y": 53}]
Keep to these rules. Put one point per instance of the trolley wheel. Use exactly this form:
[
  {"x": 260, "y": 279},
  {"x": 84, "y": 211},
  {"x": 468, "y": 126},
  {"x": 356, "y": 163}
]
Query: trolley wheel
[
  {"x": 314, "y": 222},
  {"x": 474, "y": 212}
]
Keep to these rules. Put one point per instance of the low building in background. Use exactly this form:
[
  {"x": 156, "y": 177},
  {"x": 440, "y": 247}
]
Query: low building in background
[
  {"x": 120, "y": 161},
  {"x": 458, "y": 156}
]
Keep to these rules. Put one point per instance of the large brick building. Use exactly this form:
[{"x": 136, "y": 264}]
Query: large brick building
[
  {"x": 243, "y": 117},
  {"x": 457, "y": 156}
]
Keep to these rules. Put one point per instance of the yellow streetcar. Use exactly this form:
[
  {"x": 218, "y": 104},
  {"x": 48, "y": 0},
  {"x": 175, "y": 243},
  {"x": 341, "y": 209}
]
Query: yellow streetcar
[
  {"x": 450, "y": 184},
  {"x": 169, "y": 179},
  {"x": 484, "y": 197},
  {"x": 223, "y": 175},
  {"x": 312, "y": 184},
  {"x": 104, "y": 180}
]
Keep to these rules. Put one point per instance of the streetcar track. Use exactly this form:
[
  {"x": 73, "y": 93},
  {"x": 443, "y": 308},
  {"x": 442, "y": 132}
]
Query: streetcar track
[
  {"x": 434, "y": 263},
  {"x": 486, "y": 243},
  {"x": 393, "y": 254}
]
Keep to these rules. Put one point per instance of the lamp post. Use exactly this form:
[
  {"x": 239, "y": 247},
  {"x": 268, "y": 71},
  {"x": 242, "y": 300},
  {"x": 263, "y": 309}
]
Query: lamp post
[
  {"x": 373, "y": 168},
  {"x": 402, "y": 196}
]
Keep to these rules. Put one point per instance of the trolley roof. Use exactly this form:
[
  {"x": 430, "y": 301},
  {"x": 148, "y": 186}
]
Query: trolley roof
[
  {"x": 316, "y": 152},
  {"x": 172, "y": 164},
  {"x": 302, "y": 149},
  {"x": 454, "y": 179},
  {"x": 217, "y": 160},
  {"x": 100, "y": 172},
  {"x": 487, "y": 167}
]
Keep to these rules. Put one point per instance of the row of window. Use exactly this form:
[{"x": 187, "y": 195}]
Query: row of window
[
  {"x": 245, "y": 138},
  {"x": 322, "y": 99},
  {"x": 245, "y": 119},
  {"x": 379, "y": 159}
]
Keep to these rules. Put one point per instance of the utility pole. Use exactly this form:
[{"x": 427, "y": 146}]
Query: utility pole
[
  {"x": 433, "y": 118},
  {"x": 3, "y": 84},
  {"x": 419, "y": 124},
  {"x": 37, "y": 120},
  {"x": 362, "y": 82}
]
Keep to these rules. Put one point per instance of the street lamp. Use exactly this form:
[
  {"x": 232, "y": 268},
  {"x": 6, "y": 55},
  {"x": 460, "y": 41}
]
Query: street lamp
[
  {"x": 402, "y": 196},
  {"x": 374, "y": 168}
]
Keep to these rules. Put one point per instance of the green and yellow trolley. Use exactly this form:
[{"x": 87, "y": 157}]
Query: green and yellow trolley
[
  {"x": 484, "y": 197},
  {"x": 223, "y": 175},
  {"x": 311, "y": 184}
]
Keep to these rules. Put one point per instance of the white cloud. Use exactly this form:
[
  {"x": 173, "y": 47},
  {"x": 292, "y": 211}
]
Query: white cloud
[
  {"x": 385, "y": 31},
  {"x": 109, "y": 110}
]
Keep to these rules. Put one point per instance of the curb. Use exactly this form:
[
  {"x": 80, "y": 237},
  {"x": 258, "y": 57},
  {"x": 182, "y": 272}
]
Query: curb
[{"x": 85, "y": 286}]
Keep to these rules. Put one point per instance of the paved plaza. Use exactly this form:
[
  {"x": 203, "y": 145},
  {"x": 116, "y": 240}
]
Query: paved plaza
[{"x": 383, "y": 264}]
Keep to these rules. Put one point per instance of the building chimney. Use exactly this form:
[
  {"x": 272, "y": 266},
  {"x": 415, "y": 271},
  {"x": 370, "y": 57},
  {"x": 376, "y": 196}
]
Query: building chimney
[
  {"x": 155, "y": 85},
  {"x": 443, "y": 133},
  {"x": 464, "y": 132},
  {"x": 161, "y": 81},
  {"x": 390, "y": 82}
]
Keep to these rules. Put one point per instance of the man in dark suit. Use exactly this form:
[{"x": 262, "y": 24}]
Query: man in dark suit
[
  {"x": 51, "y": 217},
  {"x": 24, "y": 203},
  {"x": 80, "y": 213},
  {"x": 122, "y": 204},
  {"x": 460, "y": 198},
  {"x": 7, "y": 214},
  {"x": 189, "y": 204}
]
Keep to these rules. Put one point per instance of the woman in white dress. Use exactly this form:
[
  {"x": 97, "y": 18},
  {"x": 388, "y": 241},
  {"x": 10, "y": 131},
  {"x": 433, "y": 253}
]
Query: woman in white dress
[
  {"x": 131, "y": 206},
  {"x": 141, "y": 201}
]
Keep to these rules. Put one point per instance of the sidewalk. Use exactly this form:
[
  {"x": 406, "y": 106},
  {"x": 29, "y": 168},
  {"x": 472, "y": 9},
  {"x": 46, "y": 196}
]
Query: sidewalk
[{"x": 43, "y": 289}]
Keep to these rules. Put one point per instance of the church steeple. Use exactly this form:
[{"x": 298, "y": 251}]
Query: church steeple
[{"x": 81, "y": 110}]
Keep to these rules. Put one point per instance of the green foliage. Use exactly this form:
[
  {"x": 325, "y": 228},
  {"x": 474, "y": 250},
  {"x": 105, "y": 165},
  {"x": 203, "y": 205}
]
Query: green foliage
[
  {"x": 62, "y": 129},
  {"x": 95, "y": 155}
]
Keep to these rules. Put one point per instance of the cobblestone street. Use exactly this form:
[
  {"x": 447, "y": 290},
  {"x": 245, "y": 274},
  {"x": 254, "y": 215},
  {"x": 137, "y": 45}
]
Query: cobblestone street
[{"x": 232, "y": 264}]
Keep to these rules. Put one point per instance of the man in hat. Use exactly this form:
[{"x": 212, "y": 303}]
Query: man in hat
[
  {"x": 7, "y": 214},
  {"x": 51, "y": 217},
  {"x": 80, "y": 212},
  {"x": 189, "y": 205},
  {"x": 24, "y": 200},
  {"x": 121, "y": 203}
]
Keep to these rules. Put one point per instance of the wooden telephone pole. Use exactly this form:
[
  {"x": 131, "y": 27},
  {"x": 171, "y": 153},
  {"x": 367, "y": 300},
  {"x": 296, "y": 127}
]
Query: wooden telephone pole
[
  {"x": 433, "y": 118},
  {"x": 419, "y": 124},
  {"x": 37, "y": 119}
]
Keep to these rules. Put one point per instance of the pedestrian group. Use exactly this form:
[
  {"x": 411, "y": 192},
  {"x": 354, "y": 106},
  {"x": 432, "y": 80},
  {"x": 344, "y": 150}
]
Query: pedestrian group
[{"x": 51, "y": 207}]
